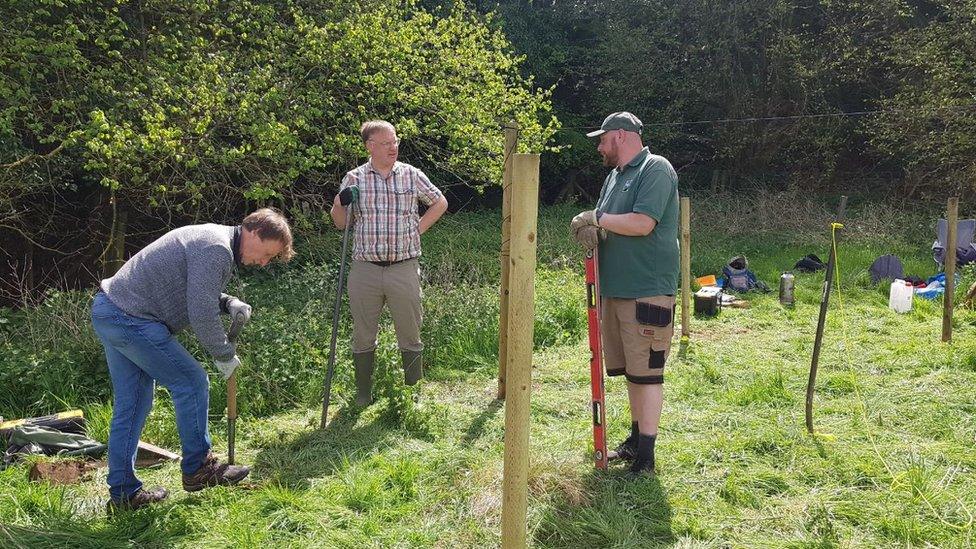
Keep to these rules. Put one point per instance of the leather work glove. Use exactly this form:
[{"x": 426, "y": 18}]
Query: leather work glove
[
  {"x": 583, "y": 219},
  {"x": 349, "y": 195},
  {"x": 227, "y": 367},
  {"x": 589, "y": 237},
  {"x": 235, "y": 306}
]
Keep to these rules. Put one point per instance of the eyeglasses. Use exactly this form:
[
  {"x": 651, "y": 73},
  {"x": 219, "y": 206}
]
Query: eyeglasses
[{"x": 388, "y": 144}]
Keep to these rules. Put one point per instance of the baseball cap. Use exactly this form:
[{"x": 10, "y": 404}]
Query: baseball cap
[{"x": 619, "y": 121}]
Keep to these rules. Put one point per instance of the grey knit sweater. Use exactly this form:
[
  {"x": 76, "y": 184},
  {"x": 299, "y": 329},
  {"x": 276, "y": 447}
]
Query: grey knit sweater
[{"x": 178, "y": 280}]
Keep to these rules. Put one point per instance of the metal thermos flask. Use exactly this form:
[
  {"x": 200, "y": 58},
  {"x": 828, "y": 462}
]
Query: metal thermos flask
[{"x": 786, "y": 289}]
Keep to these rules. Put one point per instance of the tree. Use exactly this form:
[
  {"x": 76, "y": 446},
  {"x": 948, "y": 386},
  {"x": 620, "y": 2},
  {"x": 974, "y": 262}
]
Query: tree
[{"x": 191, "y": 109}]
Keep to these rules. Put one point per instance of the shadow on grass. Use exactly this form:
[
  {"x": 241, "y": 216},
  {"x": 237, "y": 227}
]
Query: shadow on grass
[
  {"x": 611, "y": 509},
  {"x": 153, "y": 526},
  {"x": 318, "y": 452},
  {"x": 477, "y": 427}
]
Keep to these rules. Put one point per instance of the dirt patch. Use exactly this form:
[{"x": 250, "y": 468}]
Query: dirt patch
[{"x": 61, "y": 472}]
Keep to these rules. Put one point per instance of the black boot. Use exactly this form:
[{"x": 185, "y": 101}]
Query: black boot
[
  {"x": 413, "y": 366},
  {"x": 644, "y": 462},
  {"x": 627, "y": 450},
  {"x": 364, "y": 377}
]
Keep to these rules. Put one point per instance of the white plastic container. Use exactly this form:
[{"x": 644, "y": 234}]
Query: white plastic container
[{"x": 900, "y": 296}]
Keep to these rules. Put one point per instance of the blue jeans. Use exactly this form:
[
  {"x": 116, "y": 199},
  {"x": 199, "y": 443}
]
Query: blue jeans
[{"x": 139, "y": 353}]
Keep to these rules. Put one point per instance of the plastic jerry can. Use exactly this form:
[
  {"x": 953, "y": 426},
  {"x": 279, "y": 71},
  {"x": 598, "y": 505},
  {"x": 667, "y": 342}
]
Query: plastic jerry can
[{"x": 900, "y": 296}]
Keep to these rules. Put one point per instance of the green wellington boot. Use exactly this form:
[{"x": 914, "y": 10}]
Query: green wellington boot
[
  {"x": 413, "y": 366},
  {"x": 364, "y": 377}
]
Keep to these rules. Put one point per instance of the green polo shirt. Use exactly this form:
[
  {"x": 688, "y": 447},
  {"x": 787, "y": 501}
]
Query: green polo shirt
[{"x": 641, "y": 266}]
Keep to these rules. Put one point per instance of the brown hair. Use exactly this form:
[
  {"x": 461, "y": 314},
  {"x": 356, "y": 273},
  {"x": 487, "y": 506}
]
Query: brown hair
[
  {"x": 271, "y": 224},
  {"x": 373, "y": 126}
]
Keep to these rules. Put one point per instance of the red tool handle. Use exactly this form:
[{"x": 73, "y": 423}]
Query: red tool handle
[{"x": 596, "y": 362}]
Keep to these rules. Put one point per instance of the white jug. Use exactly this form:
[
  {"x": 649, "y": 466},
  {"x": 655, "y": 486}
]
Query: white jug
[{"x": 900, "y": 296}]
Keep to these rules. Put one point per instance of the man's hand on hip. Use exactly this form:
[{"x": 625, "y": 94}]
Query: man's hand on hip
[{"x": 227, "y": 367}]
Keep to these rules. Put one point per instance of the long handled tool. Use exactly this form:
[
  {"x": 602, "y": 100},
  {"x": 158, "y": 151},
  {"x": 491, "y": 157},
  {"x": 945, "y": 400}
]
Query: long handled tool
[
  {"x": 235, "y": 329},
  {"x": 596, "y": 361},
  {"x": 335, "y": 318},
  {"x": 824, "y": 299}
]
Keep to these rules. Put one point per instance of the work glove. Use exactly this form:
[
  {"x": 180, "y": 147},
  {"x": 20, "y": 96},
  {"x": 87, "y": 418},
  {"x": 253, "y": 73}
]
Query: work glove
[
  {"x": 589, "y": 237},
  {"x": 583, "y": 219},
  {"x": 235, "y": 306},
  {"x": 227, "y": 367},
  {"x": 349, "y": 195}
]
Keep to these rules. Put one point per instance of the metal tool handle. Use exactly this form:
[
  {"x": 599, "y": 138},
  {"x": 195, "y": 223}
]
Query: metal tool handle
[
  {"x": 330, "y": 369},
  {"x": 240, "y": 319}
]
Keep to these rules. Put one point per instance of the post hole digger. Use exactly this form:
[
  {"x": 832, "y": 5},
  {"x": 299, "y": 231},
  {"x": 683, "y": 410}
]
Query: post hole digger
[
  {"x": 347, "y": 197},
  {"x": 240, "y": 319}
]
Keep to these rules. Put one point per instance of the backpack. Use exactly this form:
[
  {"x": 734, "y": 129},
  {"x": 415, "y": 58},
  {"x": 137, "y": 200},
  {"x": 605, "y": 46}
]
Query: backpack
[
  {"x": 886, "y": 267},
  {"x": 739, "y": 278},
  {"x": 809, "y": 264}
]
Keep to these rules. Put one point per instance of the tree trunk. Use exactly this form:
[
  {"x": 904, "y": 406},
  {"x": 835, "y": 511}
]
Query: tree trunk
[{"x": 115, "y": 256}]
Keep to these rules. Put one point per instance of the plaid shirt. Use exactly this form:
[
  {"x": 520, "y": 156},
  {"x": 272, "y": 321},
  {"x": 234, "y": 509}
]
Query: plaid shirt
[{"x": 387, "y": 221}]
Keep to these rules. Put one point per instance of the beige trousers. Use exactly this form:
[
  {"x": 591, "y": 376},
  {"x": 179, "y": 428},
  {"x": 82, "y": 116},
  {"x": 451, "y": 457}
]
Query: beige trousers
[{"x": 370, "y": 287}]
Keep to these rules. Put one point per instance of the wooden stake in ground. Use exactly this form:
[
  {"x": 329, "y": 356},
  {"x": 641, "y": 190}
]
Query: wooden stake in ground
[
  {"x": 511, "y": 140},
  {"x": 525, "y": 211},
  {"x": 952, "y": 218},
  {"x": 822, "y": 319},
  {"x": 685, "y": 267}
]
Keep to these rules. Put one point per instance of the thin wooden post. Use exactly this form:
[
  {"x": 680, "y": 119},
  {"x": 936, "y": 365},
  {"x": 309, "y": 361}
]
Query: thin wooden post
[
  {"x": 822, "y": 319},
  {"x": 952, "y": 218},
  {"x": 511, "y": 140},
  {"x": 525, "y": 213},
  {"x": 685, "y": 266},
  {"x": 115, "y": 255}
]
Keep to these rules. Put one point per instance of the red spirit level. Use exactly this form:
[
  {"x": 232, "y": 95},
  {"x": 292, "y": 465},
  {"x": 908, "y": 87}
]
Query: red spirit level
[{"x": 596, "y": 361}]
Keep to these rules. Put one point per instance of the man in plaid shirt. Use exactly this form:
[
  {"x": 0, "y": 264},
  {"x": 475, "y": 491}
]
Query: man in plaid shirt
[{"x": 387, "y": 226}]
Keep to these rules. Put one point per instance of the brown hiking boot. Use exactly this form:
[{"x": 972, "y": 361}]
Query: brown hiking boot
[
  {"x": 137, "y": 500},
  {"x": 214, "y": 473}
]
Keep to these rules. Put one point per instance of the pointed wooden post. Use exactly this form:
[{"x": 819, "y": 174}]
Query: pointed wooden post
[
  {"x": 511, "y": 140},
  {"x": 525, "y": 212},
  {"x": 685, "y": 267},
  {"x": 952, "y": 219}
]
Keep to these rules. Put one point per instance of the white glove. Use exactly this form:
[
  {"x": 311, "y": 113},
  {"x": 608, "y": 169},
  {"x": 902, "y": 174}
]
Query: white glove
[
  {"x": 227, "y": 367},
  {"x": 235, "y": 306}
]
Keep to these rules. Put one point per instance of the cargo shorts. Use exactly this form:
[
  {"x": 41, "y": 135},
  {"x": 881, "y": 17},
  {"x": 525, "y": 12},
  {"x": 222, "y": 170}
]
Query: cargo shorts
[{"x": 637, "y": 337}]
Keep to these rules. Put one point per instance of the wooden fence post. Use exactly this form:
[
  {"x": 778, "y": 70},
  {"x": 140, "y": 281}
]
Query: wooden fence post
[
  {"x": 685, "y": 267},
  {"x": 952, "y": 219},
  {"x": 525, "y": 213},
  {"x": 511, "y": 140}
]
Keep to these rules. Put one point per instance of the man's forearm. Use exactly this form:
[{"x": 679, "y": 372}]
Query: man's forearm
[
  {"x": 628, "y": 224},
  {"x": 338, "y": 213}
]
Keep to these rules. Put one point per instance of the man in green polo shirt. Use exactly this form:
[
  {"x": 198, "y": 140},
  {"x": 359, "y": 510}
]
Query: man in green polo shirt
[{"x": 635, "y": 228}]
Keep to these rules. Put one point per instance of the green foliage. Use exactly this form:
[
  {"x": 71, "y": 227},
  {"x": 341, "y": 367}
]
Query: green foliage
[
  {"x": 770, "y": 63},
  {"x": 190, "y": 109},
  {"x": 932, "y": 123}
]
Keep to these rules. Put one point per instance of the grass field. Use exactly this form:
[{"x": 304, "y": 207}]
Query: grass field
[{"x": 892, "y": 465}]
